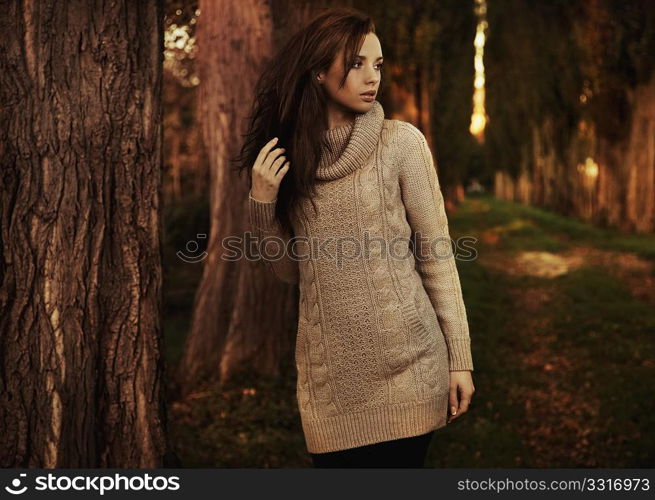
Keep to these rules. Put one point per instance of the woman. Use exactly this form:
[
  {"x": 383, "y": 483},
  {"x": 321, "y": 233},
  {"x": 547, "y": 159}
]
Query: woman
[{"x": 383, "y": 347}]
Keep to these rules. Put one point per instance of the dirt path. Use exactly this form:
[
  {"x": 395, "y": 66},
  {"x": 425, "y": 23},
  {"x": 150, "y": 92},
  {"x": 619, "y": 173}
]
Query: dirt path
[{"x": 634, "y": 271}]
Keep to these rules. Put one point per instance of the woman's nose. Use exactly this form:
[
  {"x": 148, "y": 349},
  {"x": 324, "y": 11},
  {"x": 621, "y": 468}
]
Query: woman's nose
[{"x": 372, "y": 76}]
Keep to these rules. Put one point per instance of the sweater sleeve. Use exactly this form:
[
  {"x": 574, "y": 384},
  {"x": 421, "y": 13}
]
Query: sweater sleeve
[
  {"x": 264, "y": 224},
  {"x": 435, "y": 261}
]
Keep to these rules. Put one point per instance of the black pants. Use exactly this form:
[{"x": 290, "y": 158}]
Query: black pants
[{"x": 400, "y": 453}]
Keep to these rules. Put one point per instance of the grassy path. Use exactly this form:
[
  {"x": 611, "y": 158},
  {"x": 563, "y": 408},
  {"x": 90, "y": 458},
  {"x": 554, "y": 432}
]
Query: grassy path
[{"x": 562, "y": 317}]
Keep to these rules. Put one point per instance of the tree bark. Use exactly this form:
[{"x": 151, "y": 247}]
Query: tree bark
[{"x": 81, "y": 382}]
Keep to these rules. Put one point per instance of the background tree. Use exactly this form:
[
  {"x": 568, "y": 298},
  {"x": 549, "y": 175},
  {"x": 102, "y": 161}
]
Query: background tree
[{"x": 243, "y": 316}]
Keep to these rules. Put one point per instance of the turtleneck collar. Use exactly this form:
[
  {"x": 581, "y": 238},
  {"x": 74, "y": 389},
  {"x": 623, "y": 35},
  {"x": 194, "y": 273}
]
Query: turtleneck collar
[
  {"x": 351, "y": 144},
  {"x": 335, "y": 141}
]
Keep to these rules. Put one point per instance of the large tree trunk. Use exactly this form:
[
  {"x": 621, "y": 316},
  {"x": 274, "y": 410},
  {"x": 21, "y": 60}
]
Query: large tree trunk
[{"x": 80, "y": 270}]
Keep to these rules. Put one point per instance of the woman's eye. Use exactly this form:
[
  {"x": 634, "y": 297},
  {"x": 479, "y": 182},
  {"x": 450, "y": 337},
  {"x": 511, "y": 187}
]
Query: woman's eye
[{"x": 359, "y": 62}]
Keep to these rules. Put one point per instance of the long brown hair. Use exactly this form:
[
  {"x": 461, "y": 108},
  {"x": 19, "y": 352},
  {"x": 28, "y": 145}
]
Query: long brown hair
[{"x": 290, "y": 104}]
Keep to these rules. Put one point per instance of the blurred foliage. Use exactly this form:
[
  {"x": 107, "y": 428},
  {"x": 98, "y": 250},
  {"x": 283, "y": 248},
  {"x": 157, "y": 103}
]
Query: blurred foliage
[
  {"x": 617, "y": 52},
  {"x": 564, "y": 61},
  {"x": 180, "y": 23},
  {"x": 531, "y": 73},
  {"x": 456, "y": 149},
  {"x": 186, "y": 170}
]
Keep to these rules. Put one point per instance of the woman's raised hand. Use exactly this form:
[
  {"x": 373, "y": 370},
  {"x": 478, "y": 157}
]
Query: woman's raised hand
[{"x": 267, "y": 172}]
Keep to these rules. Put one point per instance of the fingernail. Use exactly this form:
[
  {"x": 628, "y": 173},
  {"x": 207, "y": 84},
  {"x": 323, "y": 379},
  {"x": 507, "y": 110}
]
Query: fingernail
[{"x": 453, "y": 410}]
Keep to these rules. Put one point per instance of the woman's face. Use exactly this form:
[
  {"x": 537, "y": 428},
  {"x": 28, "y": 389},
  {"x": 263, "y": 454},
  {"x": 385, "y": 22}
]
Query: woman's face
[{"x": 363, "y": 77}]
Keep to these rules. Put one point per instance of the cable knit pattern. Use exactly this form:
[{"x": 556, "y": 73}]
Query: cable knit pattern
[{"x": 380, "y": 323}]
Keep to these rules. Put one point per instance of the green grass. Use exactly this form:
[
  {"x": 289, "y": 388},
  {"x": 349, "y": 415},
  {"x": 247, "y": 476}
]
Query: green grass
[
  {"x": 534, "y": 228},
  {"x": 611, "y": 337},
  {"x": 227, "y": 428},
  {"x": 606, "y": 334}
]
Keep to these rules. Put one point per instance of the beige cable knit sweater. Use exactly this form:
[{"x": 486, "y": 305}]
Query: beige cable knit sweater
[{"x": 377, "y": 332}]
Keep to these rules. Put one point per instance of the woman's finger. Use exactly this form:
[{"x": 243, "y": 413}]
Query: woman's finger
[
  {"x": 264, "y": 151},
  {"x": 454, "y": 402},
  {"x": 283, "y": 170},
  {"x": 271, "y": 157},
  {"x": 464, "y": 404},
  {"x": 277, "y": 164}
]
